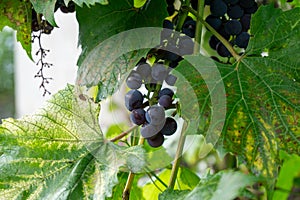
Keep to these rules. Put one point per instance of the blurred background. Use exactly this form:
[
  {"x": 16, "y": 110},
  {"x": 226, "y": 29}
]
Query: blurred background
[{"x": 19, "y": 91}]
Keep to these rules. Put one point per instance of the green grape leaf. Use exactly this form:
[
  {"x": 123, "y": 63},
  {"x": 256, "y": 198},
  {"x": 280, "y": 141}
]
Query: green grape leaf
[
  {"x": 103, "y": 21},
  {"x": 289, "y": 170},
  {"x": 186, "y": 180},
  {"x": 60, "y": 152},
  {"x": 17, "y": 15},
  {"x": 262, "y": 93},
  {"x": 224, "y": 185},
  {"x": 169, "y": 194}
]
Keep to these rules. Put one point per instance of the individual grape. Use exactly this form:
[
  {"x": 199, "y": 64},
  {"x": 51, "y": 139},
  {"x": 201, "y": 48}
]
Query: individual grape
[
  {"x": 134, "y": 80},
  {"x": 35, "y": 26},
  {"x": 218, "y": 8},
  {"x": 247, "y": 3},
  {"x": 144, "y": 70},
  {"x": 157, "y": 141},
  {"x": 170, "y": 127},
  {"x": 165, "y": 101},
  {"x": 166, "y": 91},
  {"x": 156, "y": 115},
  {"x": 173, "y": 64},
  {"x": 137, "y": 116},
  {"x": 231, "y": 2},
  {"x": 189, "y": 28},
  {"x": 222, "y": 50},
  {"x": 149, "y": 131},
  {"x": 245, "y": 21},
  {"x": 171, "y": 79},
  {"x": 252, "y": 9},
  {"x": 171, "y": 54},
  {"x": 170, "y": 2},
  {"x": 233, "y": 27},
  {"x": 213, "y": 21},
  {"x": 213, "y": 41},
  {"x": 242, "y": 40},
  {"x": 235, "y": 12},
  {"x": 168, "y": 24},
  {"x": 171, "y": 9},
  {"x": 71, "y": 7},
  {"x": 133, "y": 100},
  {"x": 222, "y": 32},
  {"x": 185, "y": 45},
  {"x": 159, "y": 72}
]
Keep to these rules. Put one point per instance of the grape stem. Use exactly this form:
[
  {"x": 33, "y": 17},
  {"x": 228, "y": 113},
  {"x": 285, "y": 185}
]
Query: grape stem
[
  {"x": 198, "y": 32},
  {"x": 214, "y": 32},
  {"x": 182, "y": 15},
  {"x": 126, "y": 191},
  {"x": 123, "y": 134},
  {"x": 178, "y": 156}
]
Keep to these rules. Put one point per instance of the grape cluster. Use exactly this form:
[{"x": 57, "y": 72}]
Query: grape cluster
[
  {"x": 149, "y": 110},
  {"x": 60, "y": 4},
  {"x": 231, "y": 18},
  {"x": 40, "y": 24},
  {"x": 43, "y": 25}
]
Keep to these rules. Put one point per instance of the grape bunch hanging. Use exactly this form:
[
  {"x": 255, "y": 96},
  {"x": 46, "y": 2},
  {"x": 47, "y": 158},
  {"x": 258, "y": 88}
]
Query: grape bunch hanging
[
  {"x": 149, "y": 110},
  {"x": 231, "y": 19}
]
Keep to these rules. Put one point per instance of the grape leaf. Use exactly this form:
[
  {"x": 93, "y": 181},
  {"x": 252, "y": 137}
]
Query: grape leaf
[
  {"x": 262, "y": 93},
  {"x": 52, "y": 152},
  {"x": 17, "y": 15},
  {"x": 224, "y": 185},
  {"x": 101, "y": 22},
  {"x": 186, "y": 180}
]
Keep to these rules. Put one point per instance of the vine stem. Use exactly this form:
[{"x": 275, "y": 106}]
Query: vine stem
[
  {"x": 123, "y": 134},
  {"x": 198, "y": 32},
  {"x": 126, "y": 191},
  {"x": 178, "y": 156},
  {"x": 214, "y": 32}
]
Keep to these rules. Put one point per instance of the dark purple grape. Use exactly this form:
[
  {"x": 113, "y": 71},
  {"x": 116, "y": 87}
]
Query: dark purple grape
[
  {"x": 171, "y": 54},
  {"x": 189, "y": 28},
  {"x": 71, "y": 7},
  {"x": 159, "y": 72},
  {"x": 245, "y": 21},
  {"x": 170, "y": 127},
  {"x": 133, "y": 100},
  {"x": 242, "y": 40},
  {"x": 149, "y": 131},
  {"x": 170, "y": 2},
  {"x": 137, "y": 116},
  {"x": 214, "y": 22},
  {"x": 171, "y": 79},
  {"x": 231, "y": 2},
  {"x": 213, "y": 41},
  {"x": 168, "y": 24},
  {"x": 252, "y": 9},
  {"x": 185, "y": 45},
  {"x": 165, "y": 101},
  {"x": 222, "y": 50},
  {"x": 134, "y": 80},
  {"x": 155, "y": 115},
  {"x": 218, "y": 8},
  {"x": 157, "y": 141},
  {"x": 233, "y": 27},
  {"x": 35, "y": 26},
  {"x": 173, "y": 64},
  {"x": 171, "y": 9},
  {"x": 222, "y": 32},
  {"x": 144, "y": 70},
  {"x": 166, "y": 91},
  {"x": 235, "y": 12},
  {"x": 247, "y": 3}
]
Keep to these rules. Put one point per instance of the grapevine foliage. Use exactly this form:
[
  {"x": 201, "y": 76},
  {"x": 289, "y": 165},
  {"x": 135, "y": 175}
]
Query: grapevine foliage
[{"x": 253, "y": 77}]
